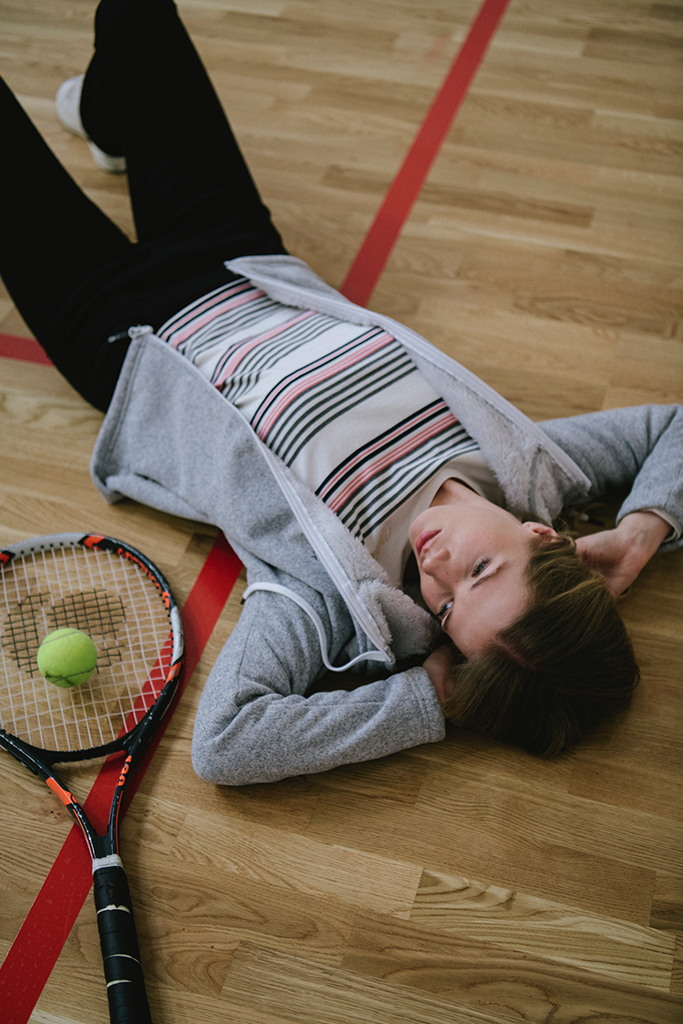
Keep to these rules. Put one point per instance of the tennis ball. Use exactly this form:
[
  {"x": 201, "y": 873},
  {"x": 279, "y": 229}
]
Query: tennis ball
[{"x": 67, "y": 657}]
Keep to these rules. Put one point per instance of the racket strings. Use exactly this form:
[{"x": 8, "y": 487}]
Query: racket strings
[
  {"x": 118, "y": 605},
  {"x": 20, "y": 636},
  {"x": 94, "y": 612}
]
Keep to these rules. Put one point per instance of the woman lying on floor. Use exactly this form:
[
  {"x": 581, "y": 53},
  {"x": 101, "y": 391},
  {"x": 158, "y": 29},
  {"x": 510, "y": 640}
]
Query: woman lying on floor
[{"x": 393, "y": 512}]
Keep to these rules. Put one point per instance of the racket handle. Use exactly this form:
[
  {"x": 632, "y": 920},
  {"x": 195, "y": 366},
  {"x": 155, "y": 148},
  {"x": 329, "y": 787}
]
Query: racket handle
[{"x": 118, "y": 939}]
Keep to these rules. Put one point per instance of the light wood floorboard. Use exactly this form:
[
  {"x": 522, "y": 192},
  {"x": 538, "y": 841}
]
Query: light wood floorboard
[{"x": 460, "y": 882}]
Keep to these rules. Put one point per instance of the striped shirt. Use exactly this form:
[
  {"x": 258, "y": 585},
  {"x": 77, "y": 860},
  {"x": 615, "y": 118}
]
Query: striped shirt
[{"x": 342, "y": 405}]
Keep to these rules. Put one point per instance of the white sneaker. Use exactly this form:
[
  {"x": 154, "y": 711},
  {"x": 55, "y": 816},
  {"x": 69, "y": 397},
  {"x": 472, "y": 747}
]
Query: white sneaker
[{"x": 68, "y": 104}]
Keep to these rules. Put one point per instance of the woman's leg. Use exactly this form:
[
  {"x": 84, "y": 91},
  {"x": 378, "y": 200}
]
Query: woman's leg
[
  {"x": 147, "y": 96},
  {"x": 55, "y": 245},
  {"x": 74, "y": 276}
]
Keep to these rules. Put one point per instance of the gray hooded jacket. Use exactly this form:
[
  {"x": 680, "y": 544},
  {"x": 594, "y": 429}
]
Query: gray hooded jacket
[{"x": 255, "y": 723}]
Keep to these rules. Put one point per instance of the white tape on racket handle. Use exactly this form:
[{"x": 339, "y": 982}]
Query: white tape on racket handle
[{"x": 111, "y": 861}]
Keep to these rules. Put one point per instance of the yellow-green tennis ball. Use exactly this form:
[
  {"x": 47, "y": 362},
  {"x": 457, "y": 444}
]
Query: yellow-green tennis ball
[{"x": 67, "y": 657}]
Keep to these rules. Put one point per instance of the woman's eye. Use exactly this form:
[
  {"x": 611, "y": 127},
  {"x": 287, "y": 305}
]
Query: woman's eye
[
  {"x": 480, "y": 566},
  {"x": 442, "y": 614}
]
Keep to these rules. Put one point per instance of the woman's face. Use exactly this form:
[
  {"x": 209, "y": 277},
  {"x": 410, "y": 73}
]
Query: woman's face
[{"x": 472, "y": 558}]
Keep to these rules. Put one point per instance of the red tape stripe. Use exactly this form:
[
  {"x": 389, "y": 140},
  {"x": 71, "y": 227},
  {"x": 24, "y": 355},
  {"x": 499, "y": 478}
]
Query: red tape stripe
[
  {"x": 41, "y": 938},
  {"x": 376, "y": 248},
  {"x": 26, "y": 349}
]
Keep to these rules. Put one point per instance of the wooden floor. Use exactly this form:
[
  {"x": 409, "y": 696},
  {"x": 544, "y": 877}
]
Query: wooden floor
[{"x": 460, "y": 881}]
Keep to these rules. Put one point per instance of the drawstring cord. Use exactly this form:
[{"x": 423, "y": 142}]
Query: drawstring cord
[{"x": 276, "y": 588}]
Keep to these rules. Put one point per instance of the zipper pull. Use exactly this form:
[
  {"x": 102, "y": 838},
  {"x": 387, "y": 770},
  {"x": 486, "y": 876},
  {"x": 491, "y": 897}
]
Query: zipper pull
[
  {"x": 132, "y": 333},
  {"x": 136, "y": 332}
]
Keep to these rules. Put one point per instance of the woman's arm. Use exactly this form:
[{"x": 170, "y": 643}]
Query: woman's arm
[
  {"x": 255, "y": 724},
  {"x": 639, "y": 448},
  {"x": 439, "y": 667},
  {"x": 620, "y": 554}
]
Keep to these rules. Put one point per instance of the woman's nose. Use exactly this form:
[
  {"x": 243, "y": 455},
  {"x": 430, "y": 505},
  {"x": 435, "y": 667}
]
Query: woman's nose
[{"x": 434, "y": 561}]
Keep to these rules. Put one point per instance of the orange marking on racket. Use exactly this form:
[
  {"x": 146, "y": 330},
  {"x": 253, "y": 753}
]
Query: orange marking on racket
[
  {"x": 93, "y": 540},
  {"x": 63, "y": 794},
  {"x": 124, "y": 771}
]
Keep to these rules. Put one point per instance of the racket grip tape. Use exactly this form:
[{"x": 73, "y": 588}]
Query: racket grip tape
[{"x": 120, "y": 952}]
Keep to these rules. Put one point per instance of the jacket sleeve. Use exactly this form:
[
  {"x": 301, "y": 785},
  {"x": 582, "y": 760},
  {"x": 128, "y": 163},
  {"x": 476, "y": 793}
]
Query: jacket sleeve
[
  {"x": 255, "y": 724},
  {"x": 640, "y": 448}
]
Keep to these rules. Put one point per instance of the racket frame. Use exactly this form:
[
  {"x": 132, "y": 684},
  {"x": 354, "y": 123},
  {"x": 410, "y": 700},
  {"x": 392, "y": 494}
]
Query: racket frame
[{"x": 120, "y": 952}]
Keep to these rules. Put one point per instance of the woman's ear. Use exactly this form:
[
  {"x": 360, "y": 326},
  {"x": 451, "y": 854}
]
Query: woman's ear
[{"x": 545, "y": 533}]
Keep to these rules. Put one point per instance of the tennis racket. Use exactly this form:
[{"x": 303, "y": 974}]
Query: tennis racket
[{"x": 112, "y": 592}]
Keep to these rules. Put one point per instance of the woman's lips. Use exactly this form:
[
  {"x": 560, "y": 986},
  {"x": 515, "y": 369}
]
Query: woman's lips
[{"x": 424, "y": 539}]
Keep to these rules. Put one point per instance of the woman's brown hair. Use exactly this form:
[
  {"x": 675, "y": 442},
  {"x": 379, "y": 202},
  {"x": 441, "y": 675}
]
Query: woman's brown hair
[{"x": 559, "y": 670}]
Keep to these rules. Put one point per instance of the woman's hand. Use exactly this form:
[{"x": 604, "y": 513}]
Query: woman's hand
[
  {"x": 439, "y": 666},
  {"x": 620, "y": 554}
]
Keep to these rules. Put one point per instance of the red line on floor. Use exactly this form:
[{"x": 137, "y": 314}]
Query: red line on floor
[
  {"x": 25, "y": 349},
  {"x": 377, "y": 246}
]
